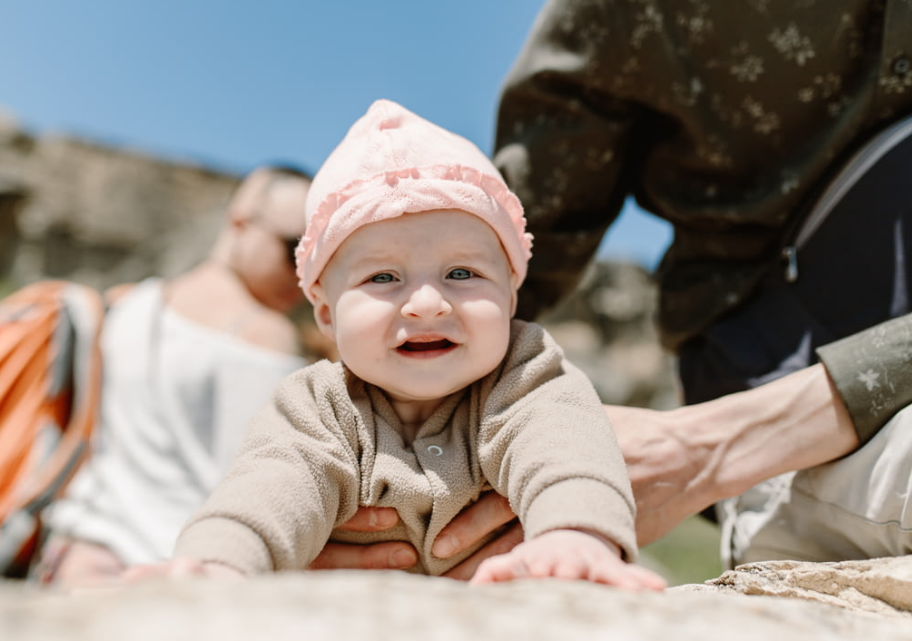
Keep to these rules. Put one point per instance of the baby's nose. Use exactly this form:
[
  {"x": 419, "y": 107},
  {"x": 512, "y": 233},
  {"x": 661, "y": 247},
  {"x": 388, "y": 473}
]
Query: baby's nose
[{"x": 426, "y": 301}]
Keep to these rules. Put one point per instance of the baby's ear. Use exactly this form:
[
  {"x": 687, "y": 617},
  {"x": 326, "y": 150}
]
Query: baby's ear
[{"x": 323, "y": 312}]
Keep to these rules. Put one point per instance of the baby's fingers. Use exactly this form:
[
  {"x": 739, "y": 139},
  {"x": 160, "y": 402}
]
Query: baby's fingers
[
  {"x": 627, "y": 576},
  {"x": 570, "y": 568},
  {"x": 500, "y": 568},
  {"x": 646, "y": 579},
  {"x": 181, "y": 567}
]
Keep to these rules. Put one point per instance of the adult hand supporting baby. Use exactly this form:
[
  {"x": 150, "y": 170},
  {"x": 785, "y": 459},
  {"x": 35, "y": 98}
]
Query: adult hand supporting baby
[
  {"x": 490, "y": 512},
  {"x": 391, "y": 555}
]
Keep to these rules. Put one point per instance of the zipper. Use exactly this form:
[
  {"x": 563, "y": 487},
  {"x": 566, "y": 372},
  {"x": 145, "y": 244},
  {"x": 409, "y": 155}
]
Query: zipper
[{"x": 854, "y": 169}]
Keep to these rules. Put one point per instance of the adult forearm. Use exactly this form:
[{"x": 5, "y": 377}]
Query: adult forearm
[
  {"x": 683, "y": 460},
  {"x": 796, "y": 422}
]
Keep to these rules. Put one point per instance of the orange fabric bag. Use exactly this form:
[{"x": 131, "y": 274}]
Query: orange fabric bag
[{"x": 50, "y": 386}]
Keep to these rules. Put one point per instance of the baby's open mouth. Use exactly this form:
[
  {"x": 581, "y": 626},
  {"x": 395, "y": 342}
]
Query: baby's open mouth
[{"x": 426, "y": 346}]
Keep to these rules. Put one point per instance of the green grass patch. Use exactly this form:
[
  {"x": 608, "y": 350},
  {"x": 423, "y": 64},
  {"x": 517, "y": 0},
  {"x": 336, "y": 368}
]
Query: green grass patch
[{"x": 687, "y": 554}]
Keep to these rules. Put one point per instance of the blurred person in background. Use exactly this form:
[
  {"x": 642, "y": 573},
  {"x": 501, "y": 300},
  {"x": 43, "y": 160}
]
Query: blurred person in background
[{"x": 187, "y": 362}]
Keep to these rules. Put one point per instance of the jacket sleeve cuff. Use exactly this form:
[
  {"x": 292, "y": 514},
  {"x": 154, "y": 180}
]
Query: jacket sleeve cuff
[
  {"x": 225, "y": 541},
  {"x": 584, "y": 504},
  {"x": 872, "y": 370}
]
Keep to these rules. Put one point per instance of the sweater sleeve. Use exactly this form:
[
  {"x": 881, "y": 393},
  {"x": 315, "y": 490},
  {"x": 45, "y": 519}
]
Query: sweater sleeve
[
  {"x": 872, "y": 370},
  {"x": 295, "y": 477},
  {"x": 547, "y": 445},
  {"x": 562, "y": 143}
]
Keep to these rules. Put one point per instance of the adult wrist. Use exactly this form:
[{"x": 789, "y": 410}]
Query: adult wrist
[{"x": 793, "y": 423}]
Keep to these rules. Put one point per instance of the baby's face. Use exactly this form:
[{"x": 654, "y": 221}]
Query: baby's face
[{"x": 419, "y": 305}]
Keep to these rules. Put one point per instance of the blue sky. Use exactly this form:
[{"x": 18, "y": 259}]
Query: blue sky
[{"x": 234, "y": 83}]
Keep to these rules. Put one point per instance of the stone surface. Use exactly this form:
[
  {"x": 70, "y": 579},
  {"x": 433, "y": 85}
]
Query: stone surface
[
  {"x": 879, "y": 586},
  {"x": 399, "y": 606}
]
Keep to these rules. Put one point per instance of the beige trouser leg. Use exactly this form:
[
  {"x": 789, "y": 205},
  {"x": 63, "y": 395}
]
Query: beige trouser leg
[{"x": 855, "y": 508}]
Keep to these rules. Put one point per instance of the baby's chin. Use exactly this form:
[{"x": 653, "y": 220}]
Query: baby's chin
[
  {"x": 423, "y": 385},
  {"x": 422, "y": 394},
  {"x": 424, "y": 391}
]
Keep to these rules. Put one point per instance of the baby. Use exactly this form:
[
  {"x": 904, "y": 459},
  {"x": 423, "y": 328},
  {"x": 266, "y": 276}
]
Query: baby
[{"x": 412, "y": 258}]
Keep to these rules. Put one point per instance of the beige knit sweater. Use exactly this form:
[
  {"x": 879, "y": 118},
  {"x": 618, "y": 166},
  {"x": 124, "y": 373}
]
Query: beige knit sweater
[{"x": 533, "y": 429}]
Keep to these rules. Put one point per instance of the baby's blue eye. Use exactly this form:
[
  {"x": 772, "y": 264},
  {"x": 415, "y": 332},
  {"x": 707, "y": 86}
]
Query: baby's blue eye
[
  {"x": 460, "y": 273},
  {"x": 382, "y": 278}
]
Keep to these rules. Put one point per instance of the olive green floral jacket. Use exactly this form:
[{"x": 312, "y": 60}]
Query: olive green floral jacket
[{"x": 726, "y": 119}]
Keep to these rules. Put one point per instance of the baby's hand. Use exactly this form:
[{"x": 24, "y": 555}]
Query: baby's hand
[
  {"x": 179, "y": 568},
  {"x": 568, "y": 554}
]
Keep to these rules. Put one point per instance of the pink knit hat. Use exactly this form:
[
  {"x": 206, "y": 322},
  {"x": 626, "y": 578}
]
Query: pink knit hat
[{"x": 393, "y": 162}]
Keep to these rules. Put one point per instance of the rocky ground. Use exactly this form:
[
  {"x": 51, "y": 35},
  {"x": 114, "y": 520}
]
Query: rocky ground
[{"x": 781, "y": 601}]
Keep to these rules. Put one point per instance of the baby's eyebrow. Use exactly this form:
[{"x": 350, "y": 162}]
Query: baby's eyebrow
[
  {"x": 381, "y": 258},
  {"x": 373, "y": 258},
  {"x": 475, "y": 255}
]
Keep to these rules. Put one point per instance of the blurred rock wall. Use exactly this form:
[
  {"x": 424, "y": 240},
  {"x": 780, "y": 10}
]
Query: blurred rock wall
[
  {"x": 606, "y": 328},
  {"x": 100, "y": 214}
]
